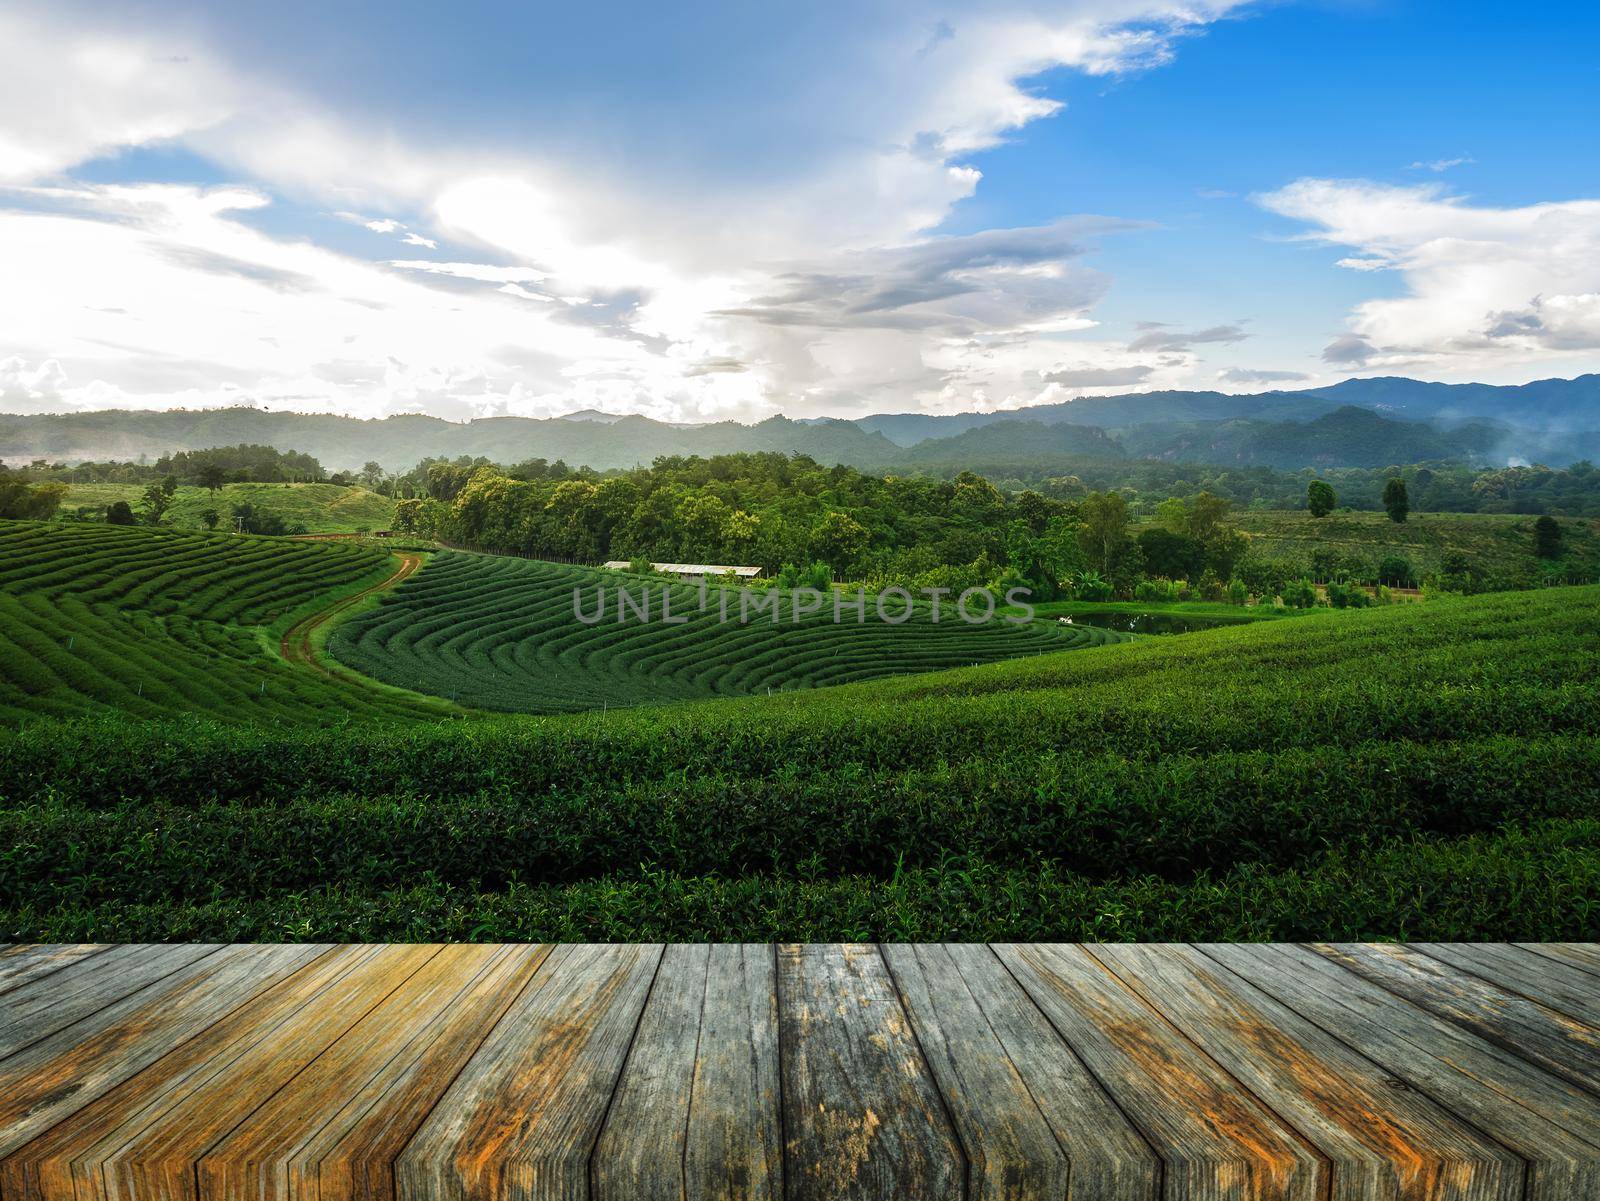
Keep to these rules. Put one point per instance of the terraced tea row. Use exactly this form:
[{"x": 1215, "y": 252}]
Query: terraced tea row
[
  {"x": 148, "y": 623},
  {"x": 503, "y": 633}
]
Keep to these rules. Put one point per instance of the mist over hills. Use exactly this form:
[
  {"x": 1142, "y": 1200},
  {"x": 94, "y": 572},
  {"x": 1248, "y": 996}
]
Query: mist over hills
[{"x": 1357, "y": 423}]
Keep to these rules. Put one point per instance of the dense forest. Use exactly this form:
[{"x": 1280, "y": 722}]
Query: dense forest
[{"x": 779, "y": 511}]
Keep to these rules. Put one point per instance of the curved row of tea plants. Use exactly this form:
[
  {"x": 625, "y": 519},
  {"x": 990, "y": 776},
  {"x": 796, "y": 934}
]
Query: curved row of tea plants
[
  {"x": 148, "y": 623},
  {"x": 1428, "y": 771},
  {"x": 502, "y": 633}
]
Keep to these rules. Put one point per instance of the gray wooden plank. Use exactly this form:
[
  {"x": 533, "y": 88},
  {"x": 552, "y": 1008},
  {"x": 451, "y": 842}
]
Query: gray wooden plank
[
  {"x": 1559, "y": 986},
  {"x": 56, "y": 1078},
  {"x": 522, "y": 1118},
  {"x": 1552, "y": 1124},
  {"x": 1011, "y": 1150},
  {"x": 1385, "y": 1142},
  {"x": 50, "y": 1003},
  {"x": 735, "y": 1136},
  {"x": 1560, "y": 1044},
  {"x": 695, "y": 1113},
  {"x": 1032, "y": 1121},
  {"x": 641, "y": 1149},
  {"x": 1583, "y": 955},
  {"x": 862, "y": 1116},
  {"x": 22, "y": 962},
  {"x": 1215, "y": 1139}
]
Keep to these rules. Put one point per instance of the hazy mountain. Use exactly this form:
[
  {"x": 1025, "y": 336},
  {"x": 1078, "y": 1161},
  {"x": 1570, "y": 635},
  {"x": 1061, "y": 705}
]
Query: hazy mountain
[
  {"x": 1360, "y": 422},
  {"x": 1543, "y": 406},
  {"x": 1346, "y": 437}
]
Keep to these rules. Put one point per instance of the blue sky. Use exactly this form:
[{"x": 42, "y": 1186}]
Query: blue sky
[{"x": 735, "y": 210}]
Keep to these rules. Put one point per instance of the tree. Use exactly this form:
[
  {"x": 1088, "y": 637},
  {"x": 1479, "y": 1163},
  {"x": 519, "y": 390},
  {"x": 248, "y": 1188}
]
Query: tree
[
  {"x": 1395, "y": 501},
  {"x": 209, "y": 518},
  {"x": 211, "y": 477},
  {"x": 1395, "y": 571},
  {"x": 1547, "y": 538},
  {"x": 372, "y": 475},
  {"x": 1105, "y": 527},
  {"x": 1320, "y": 498},
  {"x": 837, "y": 540},
  {"x": 156, "y": 501},
  {"x": 119, "y": 513},
  {"x": 1206, "y": 515},
  {"x": 1172, "y": 555}
]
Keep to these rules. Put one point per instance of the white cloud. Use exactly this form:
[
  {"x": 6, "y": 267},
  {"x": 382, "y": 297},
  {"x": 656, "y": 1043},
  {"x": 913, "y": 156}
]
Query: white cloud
[
  {"x": 67, "y": 95},
  {"x": 1440, "y": 165},
  {"x": 814, "y": 288},
  {"x": 1484, "y": 286}
]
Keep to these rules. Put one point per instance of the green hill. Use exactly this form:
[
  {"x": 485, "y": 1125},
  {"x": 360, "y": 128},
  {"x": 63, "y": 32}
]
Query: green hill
[
  {"x": 1495, "y": 544},
  {"x": 1422, "y": 771},
  {"x": 138, "y": 623},
  {"x": 320, "y": 508},
  {"x": 500, "y": 633}
]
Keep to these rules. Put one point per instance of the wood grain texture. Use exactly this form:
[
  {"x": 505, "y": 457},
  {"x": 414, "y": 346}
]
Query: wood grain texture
[
  {"x": 1559, "y": 986},
  {"x": 523, "y": 1117},
  {"x": 862, "y": 1115},
  {"x": 1576, "y": 954},
  {"x": 144, "y": 1138},
  {"x": 1323, "y": 1087},
  {"x": 1215, "y": 1140},
  {"x": 1560, "y": 1044},
  {"x": 1434, "y": 1072},
  {"x": 24, "y": 962},
  {"x": 695, "y": 1113},
  {"x": 1031, "y": 1120},
  {"x": 60, "y": 1075},
  {"x": 53, "y": 1002},
  {"x": 1552, "y": 1124},
  {"x": 336, "y": 1129}
]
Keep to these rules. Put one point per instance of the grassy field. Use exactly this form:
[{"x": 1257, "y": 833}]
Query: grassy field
[
  {"x": 148, "y": 623},
  {"x": 321, "y": 508},
  {"x": 1423, "y": 771},
  {"x": 1497, "y": 544},
  {"x": 499, "y": 633}
]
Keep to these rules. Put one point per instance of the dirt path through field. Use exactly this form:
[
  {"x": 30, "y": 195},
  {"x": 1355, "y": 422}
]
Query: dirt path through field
[{"x": 296, "y": 645}]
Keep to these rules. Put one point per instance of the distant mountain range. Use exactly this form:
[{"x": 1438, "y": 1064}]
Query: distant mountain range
[{"x": 1357, "y": 423}]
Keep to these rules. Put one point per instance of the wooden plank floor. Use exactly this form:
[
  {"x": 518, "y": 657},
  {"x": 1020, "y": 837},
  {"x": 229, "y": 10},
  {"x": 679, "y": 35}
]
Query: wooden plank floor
[{"x": 638, "y": 1073}]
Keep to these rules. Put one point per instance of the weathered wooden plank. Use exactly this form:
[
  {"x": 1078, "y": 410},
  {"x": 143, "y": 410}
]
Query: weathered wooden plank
[
  {"x": 60, "y": 1075},
  {"x": 1560, "y": 1044},
  {"x": 144, "y": 1138},
  {"x": 641, "y": 1149},
  {"x": 1385, "y": 1142},
  {"x": 1011, "y": 1150},
  {"x": 1552, "y": 1124},
  {"x": 696, "y": 1112},
  {"x": 1585, "y": 955},
  {"x": 1030, "y": 1118},
  {"x": 1215, "y": 1139},
  {"x": 335, "y": 1129},
  {"x": 1559, "y": 986},
  {"x": 523, "y": 1116},
  {"x": 22, "y": 962},
  {"x": 38, "y": 1009},
  {"x": 734, "y": 1146},
  {"x": 862, "y": 1116}
]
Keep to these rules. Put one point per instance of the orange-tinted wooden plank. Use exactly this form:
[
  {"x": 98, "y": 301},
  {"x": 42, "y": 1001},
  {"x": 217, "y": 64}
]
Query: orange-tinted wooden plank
[
  {"x": 1215, "y": 1139},
  {"x": 144, "y": 1138},
  {"x": 60, "y": 1075},
  {"x": 335, "y": 1130},
  {"x": 522, "y": 1118}
]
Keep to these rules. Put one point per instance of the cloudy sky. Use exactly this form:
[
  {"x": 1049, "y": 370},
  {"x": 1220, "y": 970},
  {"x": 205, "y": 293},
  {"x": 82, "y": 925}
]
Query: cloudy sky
[{"x": 820, "y": 208}]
